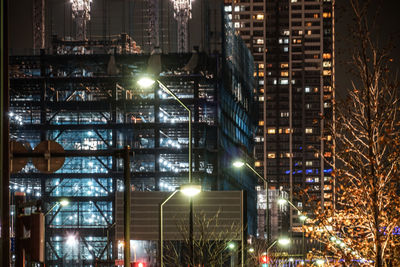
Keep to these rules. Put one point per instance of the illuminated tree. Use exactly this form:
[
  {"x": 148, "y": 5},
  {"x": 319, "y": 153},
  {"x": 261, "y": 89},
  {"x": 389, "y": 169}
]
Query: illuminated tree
[
  {"x": 362, "y": 225},
  {"x": 214, "y": 243}
]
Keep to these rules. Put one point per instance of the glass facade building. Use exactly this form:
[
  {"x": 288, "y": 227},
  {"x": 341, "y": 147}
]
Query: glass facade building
[{"x": 90, "y": 104}]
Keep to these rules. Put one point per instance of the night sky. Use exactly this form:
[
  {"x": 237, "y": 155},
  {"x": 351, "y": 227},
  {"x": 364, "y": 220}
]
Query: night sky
[{"x": 388, "y": 25}]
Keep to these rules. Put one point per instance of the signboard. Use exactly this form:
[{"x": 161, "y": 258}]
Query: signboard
[{"x": 222, "y": 209}]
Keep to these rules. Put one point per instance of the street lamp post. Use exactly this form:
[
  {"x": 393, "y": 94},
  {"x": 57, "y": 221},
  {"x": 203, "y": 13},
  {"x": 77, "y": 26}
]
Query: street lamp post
[
  {"x": 239, "y": 164},
  {"x": 302, "y": 218},
  {"x": 189, "y": 190},
  {"x": 146, "y": 82}
]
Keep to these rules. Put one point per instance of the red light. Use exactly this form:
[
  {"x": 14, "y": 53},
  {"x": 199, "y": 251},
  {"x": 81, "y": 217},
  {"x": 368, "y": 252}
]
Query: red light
[{"x": 264, "y": 259}]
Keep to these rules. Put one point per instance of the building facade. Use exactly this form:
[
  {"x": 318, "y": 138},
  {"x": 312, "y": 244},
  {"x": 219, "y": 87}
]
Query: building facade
[
  {"x": 82, "y": 94},
  {"x": 293, "y": 47}
]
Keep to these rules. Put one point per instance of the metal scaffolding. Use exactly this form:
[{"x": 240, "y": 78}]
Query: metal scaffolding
[
  {"x": 182, "y": 14},
  {"x": 81, "y": 14},
  {"x": 89, "y": 103}
]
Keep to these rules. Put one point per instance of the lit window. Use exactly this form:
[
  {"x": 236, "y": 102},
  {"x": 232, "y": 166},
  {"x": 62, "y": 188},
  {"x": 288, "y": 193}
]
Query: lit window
[
  {"x": 237, "y": 8},
  {"x": 284, "y": 81},
  {"x": 287, "y": 130},
  {"x": 287, "y": 154},
  {"x": 308, "y": 32},
  {"x": 327, "y": 72},
  {"x": 286, "y": 49},
  {"x": 286, "y": 32},
  {"x": 327, "y": 14},
  {"x": 260, "y": 41},
  {"x": 271, "y": 155},
  {"x": 261, "y": 99},
  {"x": 228, "y": 8},
  {"x": 307, "y": 89},
  {"x": 327, "y": 56},
  {"x": 284, "y": 65},
  {"x": 327, "y": 64},
  {"x": 261, "y": 123},
  {"x": 327, "y": 105},
  {"x": 316, "y": 89},
  {"x": 271, "y": 131},
  {"x": 308, "y": 24},
  {"x": 316, "y": 15},
  {"x": 284, "y": 73},
  {"x": 309, "y": 163},
  {"x": 294, "y": 1},
  {"x": 284, "y": 114},
  {"x": 308, "y": 106},
  {"x": 327, "y": 154},
  {"x": 257, "y": 163},
  {"x": 261, "y": 66},
  {"x": 237, "y": 25},
  {"x": 309, "y": 130},
  {"x": 329, "y": 137},
  {"x": 300, "y": 32},
  {"x": 260, "y": 16}
]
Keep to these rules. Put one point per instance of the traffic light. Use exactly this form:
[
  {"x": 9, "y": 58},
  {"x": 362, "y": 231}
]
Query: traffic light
[{"x": 264, "y": 261}]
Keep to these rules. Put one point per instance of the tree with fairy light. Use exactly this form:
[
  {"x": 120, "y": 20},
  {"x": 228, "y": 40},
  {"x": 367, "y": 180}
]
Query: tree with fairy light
[{"x": 363, "y": 224}]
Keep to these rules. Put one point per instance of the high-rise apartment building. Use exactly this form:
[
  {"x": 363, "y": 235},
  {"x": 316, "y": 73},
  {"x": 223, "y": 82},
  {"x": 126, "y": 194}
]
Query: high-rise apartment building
[{"x": 292, "y": 43}]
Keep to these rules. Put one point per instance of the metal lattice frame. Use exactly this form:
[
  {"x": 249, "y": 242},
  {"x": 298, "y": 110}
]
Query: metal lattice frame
[
  {"x": 38, "y": 24},
  {"x": 81, "y": 14},
  {"x": 182, "y": 14}
]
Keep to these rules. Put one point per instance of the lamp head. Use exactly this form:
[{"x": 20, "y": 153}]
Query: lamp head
[
  {"x": 282, "y": 201},
  {"x": 145, "y": 82},
  {"x": 190, "y": 190},
  {"x": 302, "y": 217},
  {"x": 238, "y": 163},
  {"x": 284, "y": 241},
  {"x": 64, "y": 202}
]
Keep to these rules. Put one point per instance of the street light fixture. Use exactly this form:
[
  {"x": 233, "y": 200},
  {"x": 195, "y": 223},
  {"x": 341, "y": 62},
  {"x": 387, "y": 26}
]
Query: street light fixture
[
  {"x": 146, "y": 82},
  {"x": 189, "y": 190},
  {"x": 302, "y": 218},
  {"x": 283, "y": 241},
  {"x": 239, "y": 164},
  {"x": 62, "y": 203}
]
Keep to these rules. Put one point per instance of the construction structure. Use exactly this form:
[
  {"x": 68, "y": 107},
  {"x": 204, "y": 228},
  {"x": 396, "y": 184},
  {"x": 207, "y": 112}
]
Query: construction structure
[
  {"x": 87, "y": 101},
  {"x": 292, "y": 43}
]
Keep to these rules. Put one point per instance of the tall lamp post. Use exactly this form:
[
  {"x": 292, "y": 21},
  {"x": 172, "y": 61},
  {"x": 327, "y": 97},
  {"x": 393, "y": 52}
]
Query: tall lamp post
[
  {"x": 146, "y": 82},
  {"x": 302, "y": 218},
  {"x": 240, "y": 164},
  {"x": 189, "y": 190}
]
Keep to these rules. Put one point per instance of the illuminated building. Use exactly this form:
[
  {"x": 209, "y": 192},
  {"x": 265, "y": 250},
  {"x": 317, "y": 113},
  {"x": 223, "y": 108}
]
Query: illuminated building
[
  {"x": 86, "y": 99},
  {"x": 292, "y": 43}
]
